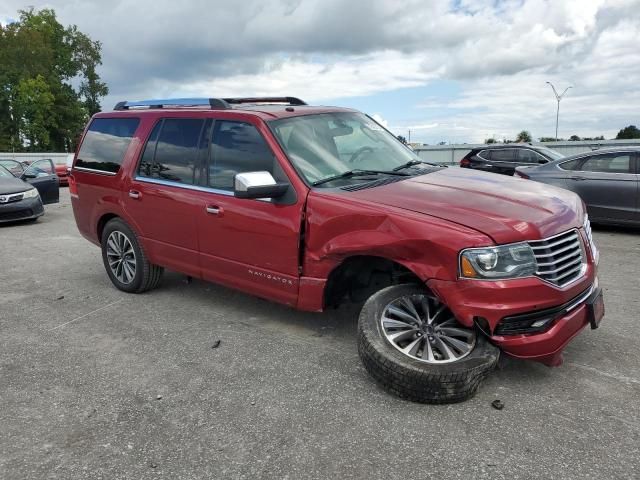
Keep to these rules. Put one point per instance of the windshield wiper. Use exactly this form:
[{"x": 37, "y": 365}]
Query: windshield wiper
[
  {"x": 413, "y": 163},
  {"x": 357, "y": 172}
]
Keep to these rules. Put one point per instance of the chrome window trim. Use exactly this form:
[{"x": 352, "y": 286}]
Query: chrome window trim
[
  {"x": 91, "y": 170},
  {"x": 185, "y": 186}
]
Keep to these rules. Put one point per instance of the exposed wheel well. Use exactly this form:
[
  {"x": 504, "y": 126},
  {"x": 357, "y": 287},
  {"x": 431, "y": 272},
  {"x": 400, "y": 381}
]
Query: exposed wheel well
[
  {"x": 359, "y": 277},
  {"x": 103, "y": 221}
]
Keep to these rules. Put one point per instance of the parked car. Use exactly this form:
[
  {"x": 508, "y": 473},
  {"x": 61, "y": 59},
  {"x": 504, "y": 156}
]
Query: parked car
[
  {"x": 40, "y": 174},
  {"x": 311, "y": 206},
  {"x": 607, "y": 180},
  {"x": 62, "y": 172},
  {"x": 505, "y": 158},
  {"x": 18, "y": 199}
]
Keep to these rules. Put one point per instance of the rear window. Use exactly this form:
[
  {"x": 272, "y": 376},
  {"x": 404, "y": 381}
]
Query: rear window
[{"x": 105, "y": 143}]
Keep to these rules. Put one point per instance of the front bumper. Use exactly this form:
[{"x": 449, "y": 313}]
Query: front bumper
[
  {"x": 21, "y": 210},
  {"x": 489, "y": 303}
]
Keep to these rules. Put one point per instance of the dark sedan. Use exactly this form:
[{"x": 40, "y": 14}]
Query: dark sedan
[
  {"x": 22, "y": 197},
  {"x": 606, "y": 180}
]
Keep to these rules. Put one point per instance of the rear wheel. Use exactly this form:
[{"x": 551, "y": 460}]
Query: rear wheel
[
  {"x": 125, "y": 260},
  {"x": 414, "y": 347}
]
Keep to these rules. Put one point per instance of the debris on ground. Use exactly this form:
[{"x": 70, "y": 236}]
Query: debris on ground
[
  {"x": 497, "y": 404},
  {"x": 216, "y": 344}
]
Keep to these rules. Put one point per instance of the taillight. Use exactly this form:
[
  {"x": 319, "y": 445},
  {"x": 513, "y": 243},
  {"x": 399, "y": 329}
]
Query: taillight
[
  {"x": 522, "y": 175},
  {"x": 465, "y": 162},
  {"x": 73, "y": 187}
]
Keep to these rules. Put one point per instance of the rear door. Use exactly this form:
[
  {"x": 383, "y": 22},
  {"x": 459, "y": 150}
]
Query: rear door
[
  {"x": 608, "y": 184},
  {"x": 248, "y": 244},
  {"x": 164, "y": 197},
  {"x": 42, "y": 175},
  {"x": 503, "y": 160}
]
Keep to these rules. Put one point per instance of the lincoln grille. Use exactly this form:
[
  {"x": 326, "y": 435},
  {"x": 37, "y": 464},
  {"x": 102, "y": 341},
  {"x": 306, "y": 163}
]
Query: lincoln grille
[{"x": 559, "y": 258}]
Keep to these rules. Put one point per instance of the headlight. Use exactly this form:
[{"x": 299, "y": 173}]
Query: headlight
[
  {"x": 30, "y": 193},
  {"x": 494, "y": 263}
]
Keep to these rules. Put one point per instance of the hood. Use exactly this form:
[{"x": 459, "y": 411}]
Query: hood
[
  {"x": 13, "y": 185},
  {"x": 507, "y": 209}
]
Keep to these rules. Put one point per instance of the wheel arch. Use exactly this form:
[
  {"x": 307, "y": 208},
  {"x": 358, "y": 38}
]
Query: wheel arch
[{"x": 357, "y": 277}]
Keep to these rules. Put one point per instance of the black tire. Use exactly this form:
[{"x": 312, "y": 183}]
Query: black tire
[
  {"x": 147, "y": 276},
  {"x": 410, "y": 378}
]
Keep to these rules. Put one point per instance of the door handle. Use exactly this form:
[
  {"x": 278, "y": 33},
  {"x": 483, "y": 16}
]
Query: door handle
[
  {"x": 134, "y": 194},
  {"x": 214, "y": 210}
]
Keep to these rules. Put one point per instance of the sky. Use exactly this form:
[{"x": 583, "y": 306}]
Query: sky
[{"x": 448, "y": 71}]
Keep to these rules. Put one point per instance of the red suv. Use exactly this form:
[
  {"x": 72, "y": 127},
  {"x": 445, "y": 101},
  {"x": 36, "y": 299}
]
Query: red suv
[{"x": 311, "y": 206}]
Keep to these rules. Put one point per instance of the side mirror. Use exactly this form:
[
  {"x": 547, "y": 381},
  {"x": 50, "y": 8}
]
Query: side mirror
[
  {"x": 29, "y": 175},
  {"x": 258, "y": 185}
]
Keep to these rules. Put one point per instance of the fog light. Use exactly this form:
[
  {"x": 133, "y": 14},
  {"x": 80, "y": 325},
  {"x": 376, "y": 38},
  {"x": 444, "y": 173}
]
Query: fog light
[{"x": 540, "y": 323}]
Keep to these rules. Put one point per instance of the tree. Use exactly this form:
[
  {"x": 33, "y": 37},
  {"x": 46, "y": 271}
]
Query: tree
[
  {"x": 48, "y": 82},
  {"x": 402, "y": 139},
  {"x": 574, "y": 138},
  {"x": 523, "y": 136},
  {"x": 490, "y": 140},
  {"x": 628, "y": 133}
]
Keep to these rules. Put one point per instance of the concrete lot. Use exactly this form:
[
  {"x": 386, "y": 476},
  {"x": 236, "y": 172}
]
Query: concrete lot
[{"x": 95, "y": 383}]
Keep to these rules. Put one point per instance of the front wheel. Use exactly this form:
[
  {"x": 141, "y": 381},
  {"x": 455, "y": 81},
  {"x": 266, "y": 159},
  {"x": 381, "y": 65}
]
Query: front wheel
[
  {"x": 125, "y": 260},
  {"x": 413, "y": 346}
]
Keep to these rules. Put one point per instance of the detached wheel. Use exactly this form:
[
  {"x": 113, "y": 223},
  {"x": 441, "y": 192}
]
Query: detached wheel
[
  {"x": 413, "y": 346},
  {"x": 125, "y": 261}
]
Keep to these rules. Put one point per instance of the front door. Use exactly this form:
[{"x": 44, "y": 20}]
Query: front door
[
  {"x": 252, "y": 245},
  {"x": 42, "y": 175},
  {"x": 608, "y": 185},
  {"x": 164, "y": 197}
]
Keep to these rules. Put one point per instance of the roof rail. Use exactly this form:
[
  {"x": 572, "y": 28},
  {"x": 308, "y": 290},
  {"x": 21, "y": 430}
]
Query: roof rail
[
  {"x": 214, "y": 103},
  {"x": 287, "y": 100}
]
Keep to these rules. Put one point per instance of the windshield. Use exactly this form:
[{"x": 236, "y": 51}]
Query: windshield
[
  {"x": 4, "y": 172},
  {"x": 550, "y": 153},
  {"x": 329, "y": 144}
]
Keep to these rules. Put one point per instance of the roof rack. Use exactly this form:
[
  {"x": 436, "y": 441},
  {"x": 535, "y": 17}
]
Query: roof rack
[{"x": 213, "y": 103}]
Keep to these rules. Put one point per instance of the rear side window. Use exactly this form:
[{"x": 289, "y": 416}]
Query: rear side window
[
  {"x": 237, "y": 147},
  {"x": 503, "y": 155},
  {"x": 612, "y": 163},
  {"x": 174, "y": 151},
  {"x": 105, "y": 143}
]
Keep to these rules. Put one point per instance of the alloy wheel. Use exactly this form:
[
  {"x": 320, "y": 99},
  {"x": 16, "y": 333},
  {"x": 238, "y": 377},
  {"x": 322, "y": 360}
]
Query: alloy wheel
[
  {"x": 121, "y": 257},
  {"x": 423, "y": 328}
]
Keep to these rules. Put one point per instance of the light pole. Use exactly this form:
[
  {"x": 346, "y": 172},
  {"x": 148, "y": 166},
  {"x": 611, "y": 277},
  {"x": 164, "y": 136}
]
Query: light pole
[{"x": 558, "y": 98}]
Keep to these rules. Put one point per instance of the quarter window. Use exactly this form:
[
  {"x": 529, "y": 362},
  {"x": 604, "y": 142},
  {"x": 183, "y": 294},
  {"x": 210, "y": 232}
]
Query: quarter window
[
  {"x": 528, "y": 156},
  {"x": 570, "y": 165},
  {"x": 105, "y": 143},
  {"x": 612, "y": 163},
  {"x": 237, "y": 147}
]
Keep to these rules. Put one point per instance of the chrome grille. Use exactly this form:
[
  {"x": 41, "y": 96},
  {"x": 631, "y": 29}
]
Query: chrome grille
[{"x": 559, "y": 258}]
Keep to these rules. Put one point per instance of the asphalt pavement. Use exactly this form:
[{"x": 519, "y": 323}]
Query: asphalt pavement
[{"x": 194, "y": 380}]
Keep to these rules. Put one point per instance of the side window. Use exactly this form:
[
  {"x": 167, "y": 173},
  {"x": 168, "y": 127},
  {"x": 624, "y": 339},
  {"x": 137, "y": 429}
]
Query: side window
[
  {"x": 237, "y": 147},
  {"x": 611, "y": 163},
  {"x": 146, "y": 162},
  {"x": 570, "y": 165},
  {"x": 105, "y": 143},
  {"x": 527, "y": 156},
  {"x": 40, "y": 168},
  {"x": 503, "y": 155},
  {"x": 485, "y": 154},
  {"x": 176, "y": 151}
]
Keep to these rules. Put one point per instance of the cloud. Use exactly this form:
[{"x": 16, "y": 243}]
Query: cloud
[{"x": 500, "y": 53}]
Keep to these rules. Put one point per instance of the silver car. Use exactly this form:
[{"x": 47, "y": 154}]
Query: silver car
[{"x": 606, "y": 180}]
